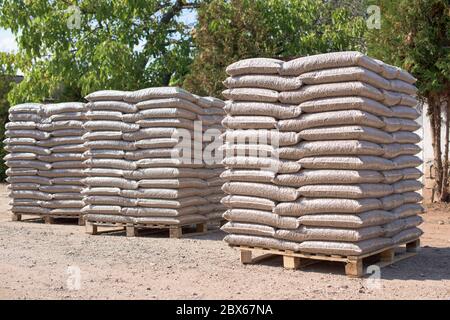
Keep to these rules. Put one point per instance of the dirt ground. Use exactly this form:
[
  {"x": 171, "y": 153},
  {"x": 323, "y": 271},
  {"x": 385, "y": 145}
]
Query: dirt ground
[{"x": 39, "y": 261}]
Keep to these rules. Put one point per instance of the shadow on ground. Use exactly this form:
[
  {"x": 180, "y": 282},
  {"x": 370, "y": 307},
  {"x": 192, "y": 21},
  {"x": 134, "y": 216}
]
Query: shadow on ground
[
  {"x": 429, "y": 264},
  {"x": 213, "y": 234}
]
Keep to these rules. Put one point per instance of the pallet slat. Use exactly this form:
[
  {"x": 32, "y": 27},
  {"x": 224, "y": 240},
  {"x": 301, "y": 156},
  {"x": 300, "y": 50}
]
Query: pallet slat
[
  {"x": 354, "y": 266},
  {"x": 48, "y": 219},
  {"x": 133, "y": 230}
]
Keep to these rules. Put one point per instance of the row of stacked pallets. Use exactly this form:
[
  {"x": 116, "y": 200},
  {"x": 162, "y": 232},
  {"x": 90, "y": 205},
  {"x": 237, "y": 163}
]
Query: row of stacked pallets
[
  {"x": 313, "y": 158},
  {"x": 133, "y": 159}
]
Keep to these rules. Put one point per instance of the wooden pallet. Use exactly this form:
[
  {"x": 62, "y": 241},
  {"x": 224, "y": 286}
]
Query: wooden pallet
[
  {"x": 354, "y": 265},
  {"x": 134, "y": 230},
  {"x": 55, "y": 219},
  {"x": 46, "y": 218}
]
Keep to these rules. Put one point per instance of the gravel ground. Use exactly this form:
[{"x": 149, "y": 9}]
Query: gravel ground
[{"x": 39, "y": 261}]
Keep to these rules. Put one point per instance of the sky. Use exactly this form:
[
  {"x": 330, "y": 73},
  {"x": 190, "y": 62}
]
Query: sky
[{"x": 7, "y": 41}]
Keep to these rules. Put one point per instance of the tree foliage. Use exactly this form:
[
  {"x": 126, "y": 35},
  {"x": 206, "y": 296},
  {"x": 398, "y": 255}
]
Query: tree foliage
[
  {"x": 228, "y": 31},
  {"x": 415, "y": 35},
  {"x": 115, "y": 44},
  {"x": 5, "y": 86}
]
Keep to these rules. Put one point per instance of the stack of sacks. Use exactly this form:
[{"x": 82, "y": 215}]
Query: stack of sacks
[
  {"x": 171, "y": 182},
  {"x": 336, "y": 169},
  {"x": 63, "y": 123},
  {"x": 212, "y": 156},
  {"x": 144, "y": 166},
  {"x": 108, "y": 178},
  {"x": 26, "y": 144}
]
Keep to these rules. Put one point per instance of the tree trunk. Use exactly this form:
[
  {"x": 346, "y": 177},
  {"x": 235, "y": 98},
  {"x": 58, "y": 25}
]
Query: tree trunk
[
  {"x": 166, "y": 79},
  {"x": 444, "y": 190},
  {"x": 434, "y": 111}
]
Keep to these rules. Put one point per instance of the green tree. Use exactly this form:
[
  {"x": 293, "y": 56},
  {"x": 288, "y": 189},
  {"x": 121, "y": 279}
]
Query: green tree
[
  {"x": 228, "y": 31},
  {"x": 6, "y": 81},
  {"x": 68, "y": 48},
  {"x": 4, "y": 106},
  {"x": 415, "y": 35}
]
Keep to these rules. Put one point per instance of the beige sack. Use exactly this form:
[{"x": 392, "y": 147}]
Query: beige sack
[
  {"x": 254, "y": 66},
  {"x": 345, "y": 248},
  {"x": 245, "y": 202},
  {"x": 359, "y": 191},
  {"x": 261, "y": 217},
  {"x": 273, "y": 82},
  {"x": 261, "y": 190},
  {"x": 251, "y": 94},
  {"x": 361, "y": 220},
  {"x": 329, "y": 147},
  {"x": 348, "y": 163},
  {"x": 170, "y": 103},
  {"x": 309, "y": 177},
  {"x": 405, "y": 112},
  {"x": 328, "y": 90},
  {"x": 272, "y": 137},
  {"x": 347, "y": 133},
  {"x": 158, "y": 93},
  {"x": 405, "y": 137},
  {"x": 248, "y": 229},
  {"x": 393, "y": 150},
  {"x": 249, "y": 122},
  {"x": 276, "y": 110},
  {"x": 329, "y": 60},
  {"x": 407, "y": 210},
  {"x": 332, "y": 118},
  {"x": 267, "y": 164},
  {"x": 407, "y": 235},
  {"x": 344, "y": 75},
  {"x": 261, "y": 242},
  {"x": 347, "y": 103},
  {"x": 263, "y": 176},
  {"x": 307, "y": 233},
  {"x": 305, "y": 206}
]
